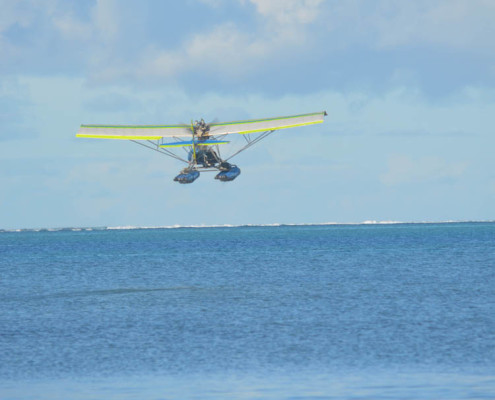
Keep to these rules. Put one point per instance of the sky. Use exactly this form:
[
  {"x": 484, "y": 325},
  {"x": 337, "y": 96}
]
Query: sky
[{"x": 409, "y": 88}]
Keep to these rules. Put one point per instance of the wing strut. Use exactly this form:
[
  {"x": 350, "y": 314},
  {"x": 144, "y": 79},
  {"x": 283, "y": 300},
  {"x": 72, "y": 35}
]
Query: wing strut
[
  {"x": 162, "y": 151},
  {"x": 251, "y": 143}
]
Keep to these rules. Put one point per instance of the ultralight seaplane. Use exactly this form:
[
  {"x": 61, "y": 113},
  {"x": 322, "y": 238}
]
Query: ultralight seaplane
[{"x": 204, "y": 140}]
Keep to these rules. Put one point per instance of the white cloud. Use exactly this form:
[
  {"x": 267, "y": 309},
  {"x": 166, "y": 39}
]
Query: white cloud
[
  {"x": 222, "y": 49},
  {"x": 212, "y": 3},
  {"x": 289, "y": 27},
  {"x": 72, "y": 28},
  {"x": 105, "y": 13},
  {"x": 103, "y": 21},
  {"x": 16, "y": 111},
  {"x": 99, "y": 30},
  {"x": 288, "y": 11},
  {"x": 20, "y": 13},
  {"x": 271, "y": 31},
  {"x": 404, "y": 169},
  {"x": 459, "y": 24}
]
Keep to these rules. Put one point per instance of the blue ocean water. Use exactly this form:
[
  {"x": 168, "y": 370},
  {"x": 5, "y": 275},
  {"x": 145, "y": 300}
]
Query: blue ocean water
[{"x": 399, "y": 311}]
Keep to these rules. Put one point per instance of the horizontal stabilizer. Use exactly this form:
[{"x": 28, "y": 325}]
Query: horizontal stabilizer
[{"x": 190, "y": 143}]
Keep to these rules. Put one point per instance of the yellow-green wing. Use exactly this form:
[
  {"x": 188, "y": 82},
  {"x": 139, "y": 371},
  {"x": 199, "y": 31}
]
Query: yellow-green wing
[
  {"x": 268, "y": 124},
  {"x": 133, "y": 132}
]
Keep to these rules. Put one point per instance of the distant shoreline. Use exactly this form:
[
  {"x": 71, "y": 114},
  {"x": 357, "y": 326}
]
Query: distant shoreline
[{"x": 130, "y": 227}]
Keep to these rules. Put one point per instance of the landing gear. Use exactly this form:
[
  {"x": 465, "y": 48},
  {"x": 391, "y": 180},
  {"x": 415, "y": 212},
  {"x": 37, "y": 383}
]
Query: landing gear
[
  {"x": 187, "y": 175},
  {"x": 228, "y": 172}
]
